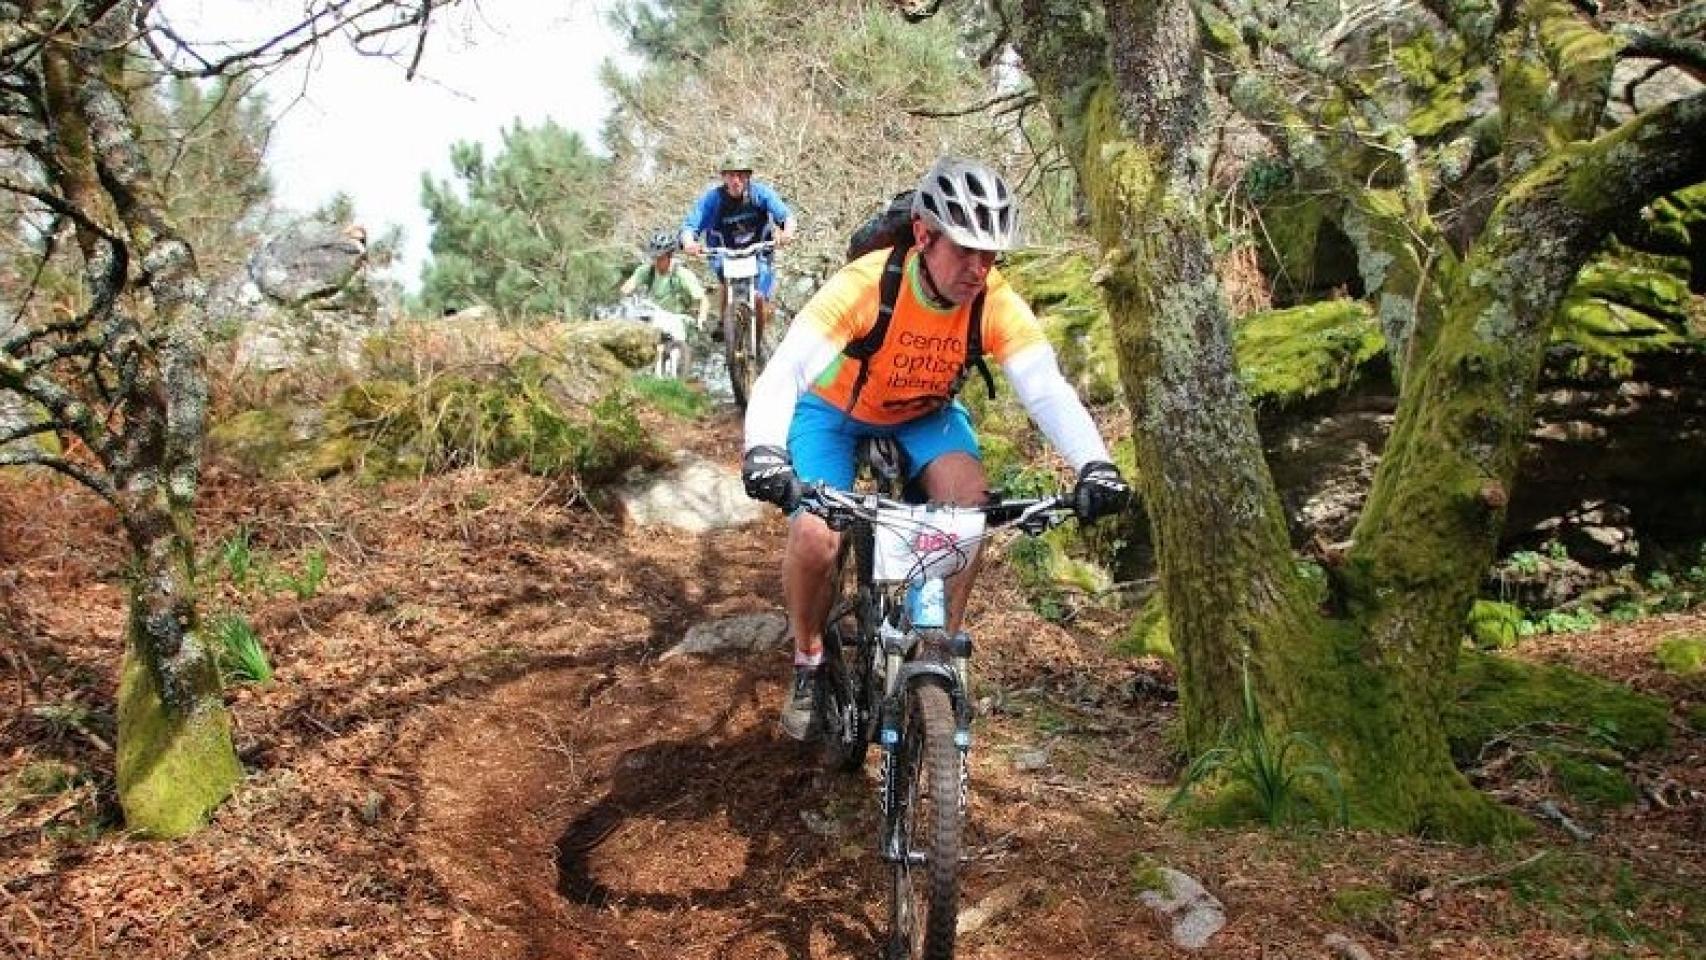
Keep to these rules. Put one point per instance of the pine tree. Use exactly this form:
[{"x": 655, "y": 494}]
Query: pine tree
[{"x": 526, "y": 232}]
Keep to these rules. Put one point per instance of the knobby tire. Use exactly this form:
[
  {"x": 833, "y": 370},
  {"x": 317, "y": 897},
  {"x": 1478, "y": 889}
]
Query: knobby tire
[
  {"x": 925, "y": 897},
  {"x": 743, "y": 368},
  {"x": 846, "y": 697}
]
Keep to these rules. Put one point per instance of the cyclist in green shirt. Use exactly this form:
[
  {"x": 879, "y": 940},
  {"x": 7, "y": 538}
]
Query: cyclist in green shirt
[{"x": 669, "y": 286}]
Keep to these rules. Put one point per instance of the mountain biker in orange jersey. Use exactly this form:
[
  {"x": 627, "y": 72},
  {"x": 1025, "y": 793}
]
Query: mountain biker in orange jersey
[
  {"x": 814, "y": 400},
  {"x": 736, "y": 213}
]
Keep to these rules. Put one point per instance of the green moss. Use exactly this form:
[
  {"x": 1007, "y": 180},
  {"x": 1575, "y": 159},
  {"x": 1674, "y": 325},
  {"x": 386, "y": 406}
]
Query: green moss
[
  {"x": 1145, "y": 875},
  {"x": 1587, "y": 780},
  {"x": 1292, "y": 222},
  {"x": 383, "y": 430},
  {"x": 1058, "y": 287},
  {"x": 1624, "y": 305},
  {"x": 1498, "y": 695},
  {"x": 1683, "y": 654},
  {"x": 1284, "y": 355},
  {"x": 173, "y": 769},
  {"x": 1148, "y": 634},
  {"x": 1051, "y": 575},
  {"x": 1360, "y": 905},
  {"x": 1697, "y": 718},
  {"x": 1644, "y": 915},
  {"x": 256, "y": 440},
  {"x": 671, "y": 396},
  {"x": 1298, "y": 353}
]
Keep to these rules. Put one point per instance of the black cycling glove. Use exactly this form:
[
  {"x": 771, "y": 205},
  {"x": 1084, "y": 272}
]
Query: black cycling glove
[
  {"x": 768, "y": 474},
  {"x": 1100, "y": 491}
]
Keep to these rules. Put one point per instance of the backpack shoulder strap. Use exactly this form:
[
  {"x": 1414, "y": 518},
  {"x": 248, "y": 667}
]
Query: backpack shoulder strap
[
  {"x": 888, "y": 293},
  {"x": 974, "y": 352},
  {"x": 862, "y": 349}
]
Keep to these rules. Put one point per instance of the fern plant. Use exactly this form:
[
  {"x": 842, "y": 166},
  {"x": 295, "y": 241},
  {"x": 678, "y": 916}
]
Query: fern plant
[{"x": 1273, "y": 767}]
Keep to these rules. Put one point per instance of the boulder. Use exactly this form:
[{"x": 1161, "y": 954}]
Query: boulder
[{"x": 310, "y": 260}]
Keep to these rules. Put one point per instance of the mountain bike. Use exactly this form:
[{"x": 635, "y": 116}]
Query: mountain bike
[
  {"x": 893, "y": 676},
  {"x": 743, "y": 347}
]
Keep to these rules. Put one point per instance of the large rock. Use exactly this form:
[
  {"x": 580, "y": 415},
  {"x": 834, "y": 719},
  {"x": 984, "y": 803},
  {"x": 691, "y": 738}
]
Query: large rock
[
  {"x": 310, "y": 260},
  {"x": 306, "y": 296},
  {"x": 1192, "y": 914},
  {"x": 696, "y": 496}
]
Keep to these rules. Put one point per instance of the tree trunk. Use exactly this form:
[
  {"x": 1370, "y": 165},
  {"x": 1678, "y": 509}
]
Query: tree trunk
[
  {"x": 176, "y": 761},
  {"x": 1363, "y": 663}
]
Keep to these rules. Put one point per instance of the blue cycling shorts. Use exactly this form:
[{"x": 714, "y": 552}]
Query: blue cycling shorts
[{"x": 823, "y": 439}]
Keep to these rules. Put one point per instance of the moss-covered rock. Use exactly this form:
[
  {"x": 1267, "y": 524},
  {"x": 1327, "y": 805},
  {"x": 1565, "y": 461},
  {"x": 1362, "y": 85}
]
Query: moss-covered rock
[
  {"x": 1497, "y": 696},
  {"x": 1623, "y": 305},
  {"x": 631, "y": 343},
  {"x": 1305, "y": 254},
  {"x": 1302, "y": 352},
  {"x": 553, "y": 402},
  {"x": 1058, "y": 285},
  {"x": 257, "y": 441},
  {"x": 1148, "y": 634}
]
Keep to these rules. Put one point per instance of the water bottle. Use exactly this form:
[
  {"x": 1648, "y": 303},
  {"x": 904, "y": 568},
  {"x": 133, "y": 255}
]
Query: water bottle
[{"x": 927, "y": 603}]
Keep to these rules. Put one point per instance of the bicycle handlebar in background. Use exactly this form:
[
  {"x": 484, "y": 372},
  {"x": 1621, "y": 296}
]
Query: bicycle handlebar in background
[{"x": 755, "y": 247}]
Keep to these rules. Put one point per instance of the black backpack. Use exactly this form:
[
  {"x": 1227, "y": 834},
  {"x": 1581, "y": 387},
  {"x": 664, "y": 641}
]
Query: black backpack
[{"x": 892, "y": 228}]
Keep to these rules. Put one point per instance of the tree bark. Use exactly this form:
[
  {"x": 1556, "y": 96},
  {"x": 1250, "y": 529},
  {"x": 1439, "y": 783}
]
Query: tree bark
[
  {"x": 1364, "y": 660},
  {"x": 144, "y": 334}
]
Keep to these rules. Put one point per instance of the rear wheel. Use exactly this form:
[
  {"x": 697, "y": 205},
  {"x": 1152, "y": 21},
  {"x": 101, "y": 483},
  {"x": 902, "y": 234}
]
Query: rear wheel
[{"x": 925, "y": 888}]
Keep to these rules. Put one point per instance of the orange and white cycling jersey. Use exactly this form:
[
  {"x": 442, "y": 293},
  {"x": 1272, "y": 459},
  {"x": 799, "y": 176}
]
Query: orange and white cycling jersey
[{"x": 913, "y": 370}]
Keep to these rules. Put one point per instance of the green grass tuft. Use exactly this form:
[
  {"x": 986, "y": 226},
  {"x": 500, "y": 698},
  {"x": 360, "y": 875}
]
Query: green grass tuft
[
  {"x": 241, "y": 657},
  {"x": 671, "y": 396},
  {"x": 1271, "y": 773}
]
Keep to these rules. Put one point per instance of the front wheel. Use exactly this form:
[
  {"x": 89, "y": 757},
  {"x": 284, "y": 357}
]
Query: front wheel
[
  {"x": 846, "y": 691},
  {"x": 738, "y": 349},
  {"x": 925, "y": 889}
]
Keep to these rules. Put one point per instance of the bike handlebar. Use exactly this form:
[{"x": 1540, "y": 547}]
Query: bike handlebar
[
  {"x": 755, "y": 247},
  {"x": 1030, "y": 515}
]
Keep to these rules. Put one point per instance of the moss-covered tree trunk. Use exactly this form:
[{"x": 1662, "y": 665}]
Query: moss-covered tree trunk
[
  {"x": 142, "y": 338},
  {"x": 1432, "y": 522},
  {"x": 1363, "y": 663}
]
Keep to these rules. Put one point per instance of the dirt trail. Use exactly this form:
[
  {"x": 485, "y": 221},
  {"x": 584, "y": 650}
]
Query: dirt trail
[
  {"x": 473, "y": 750},
  {"x": 619, "y": 805}
]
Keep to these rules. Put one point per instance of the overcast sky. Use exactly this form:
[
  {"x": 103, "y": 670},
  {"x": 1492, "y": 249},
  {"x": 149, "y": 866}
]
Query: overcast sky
[{"x": 351, "y": 123}]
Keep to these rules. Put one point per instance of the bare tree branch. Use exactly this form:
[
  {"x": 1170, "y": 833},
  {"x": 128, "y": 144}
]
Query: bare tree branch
[
  {"x": 1008, "y": 102},
  {"x": 1640, "y": 41}
]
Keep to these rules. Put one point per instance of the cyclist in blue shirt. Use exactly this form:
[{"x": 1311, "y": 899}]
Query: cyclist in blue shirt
[{"x": 733, "y": 214}]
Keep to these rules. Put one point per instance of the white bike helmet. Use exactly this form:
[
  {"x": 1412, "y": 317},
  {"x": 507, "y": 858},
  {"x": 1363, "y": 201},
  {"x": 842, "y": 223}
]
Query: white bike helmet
[
  {"x": 662, "y": 242},
  {"x": 970, "y": 203}
]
